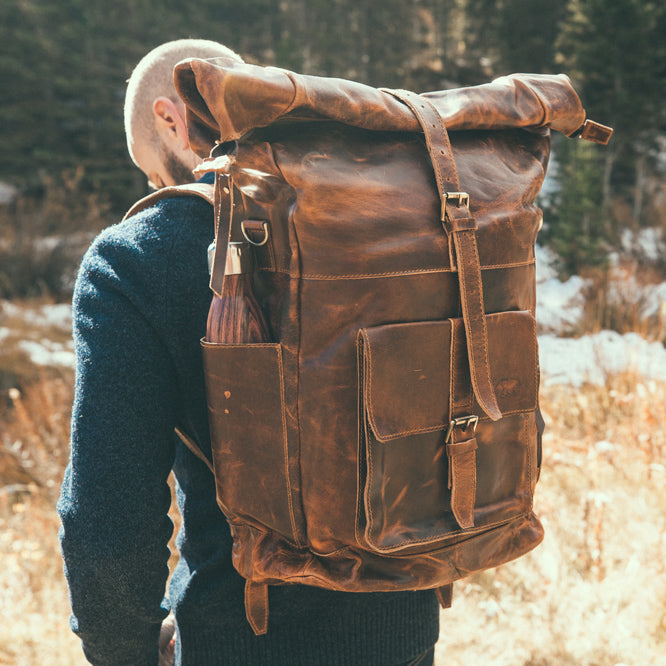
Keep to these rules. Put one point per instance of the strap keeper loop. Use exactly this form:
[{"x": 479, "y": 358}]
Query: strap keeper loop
[{"x": 455, "y": 212}]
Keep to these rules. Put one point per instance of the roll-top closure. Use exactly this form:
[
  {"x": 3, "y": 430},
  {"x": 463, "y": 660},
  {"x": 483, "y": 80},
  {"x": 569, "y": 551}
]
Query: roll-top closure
[{"x": 226, "y": 99}]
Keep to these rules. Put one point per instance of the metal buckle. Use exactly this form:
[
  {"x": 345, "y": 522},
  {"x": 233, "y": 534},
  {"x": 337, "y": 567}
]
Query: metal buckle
[
  {"x": 457, "y": 198},
  {"x": 264, "y": 226},
  {"x": 464, "y": 422}
]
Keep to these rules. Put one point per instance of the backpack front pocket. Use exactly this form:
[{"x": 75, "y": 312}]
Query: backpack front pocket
[
  {"x": 414, "y": 383},
  {"x": 246, "y": 412}
]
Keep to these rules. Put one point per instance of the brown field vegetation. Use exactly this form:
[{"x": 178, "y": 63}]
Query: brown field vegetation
[{"x": 593, "y": 594}]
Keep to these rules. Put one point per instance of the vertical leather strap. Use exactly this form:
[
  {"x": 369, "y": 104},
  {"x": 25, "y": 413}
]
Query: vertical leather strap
[
  {"x": 223, "y": 211},
  {"x": 462, "y": 477},
  {"x": 461, "y": 227},
  {"x": 256, "y": 606},
  {"x": 445, "y": 595}
]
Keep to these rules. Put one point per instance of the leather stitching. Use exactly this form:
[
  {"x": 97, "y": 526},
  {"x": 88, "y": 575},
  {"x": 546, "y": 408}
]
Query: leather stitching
[
  {"x": 451, "y": 533},
  {"x": 436, "y": 428},
  {"x": 285, "y": 445},
  {"x": 416, "y": 271},
  {"x": 452, "y": 370},
  {"x": 252, "y": 345}
]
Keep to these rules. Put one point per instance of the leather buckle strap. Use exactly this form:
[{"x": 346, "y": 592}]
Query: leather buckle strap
[
  {"x": 462, "y": 479},
  {"x": 223, "y": 206},
  {"x": 456, "y": 213},
  {"x": 437, "y": 142},
  {"x": 466, "y": 423},
  {"x": 471, "y": 300},
  {"x": 461, "y": 228},
  {"x": 461, "y": 448}
]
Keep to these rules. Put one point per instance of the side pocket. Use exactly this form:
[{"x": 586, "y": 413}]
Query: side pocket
[
  {"x": 246, "y": 412},
  {"x": 414, "y": 380}
]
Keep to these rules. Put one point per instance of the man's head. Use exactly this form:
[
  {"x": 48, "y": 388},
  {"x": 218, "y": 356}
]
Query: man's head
[{"x": 155, "y": 115}]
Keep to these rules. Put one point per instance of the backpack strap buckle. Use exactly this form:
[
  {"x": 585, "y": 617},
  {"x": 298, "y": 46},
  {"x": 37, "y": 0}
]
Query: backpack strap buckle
[
  {"x": 466, "y": 423},
  {"x": 461, "y": 448},
  {"x": 457, "y": 198}
]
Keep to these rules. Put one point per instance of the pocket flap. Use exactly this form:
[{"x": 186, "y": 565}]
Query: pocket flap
[{"x": 411, "y": 374}]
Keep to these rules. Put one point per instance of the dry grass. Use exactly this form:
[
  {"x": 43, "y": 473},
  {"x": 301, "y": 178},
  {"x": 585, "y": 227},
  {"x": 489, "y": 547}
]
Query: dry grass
[
  {"x": 34, "y": 606},
  {"x": 619, "y": 298},
  {"x": 34, "y": 627},
  {"x": 34, "y": 442},
  {"x": 593, "y": 594},
  {"x": 43, "y": 235}
]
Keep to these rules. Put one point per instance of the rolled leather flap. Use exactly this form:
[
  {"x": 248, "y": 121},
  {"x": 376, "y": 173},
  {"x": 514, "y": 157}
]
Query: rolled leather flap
[
  {"x": 412, "y": 373},
  {"x": 226, "y": 99}
]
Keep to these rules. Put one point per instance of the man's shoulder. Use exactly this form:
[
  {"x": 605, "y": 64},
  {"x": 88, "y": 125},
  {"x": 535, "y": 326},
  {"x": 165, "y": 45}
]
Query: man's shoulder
[
  {"x": 203, "y": 189},
  {"x": 169, "y": 215},
  {"x": 155, "y": 229},
  {"x": 151, "y": 244},
  {"x": 166, "y": 215}
]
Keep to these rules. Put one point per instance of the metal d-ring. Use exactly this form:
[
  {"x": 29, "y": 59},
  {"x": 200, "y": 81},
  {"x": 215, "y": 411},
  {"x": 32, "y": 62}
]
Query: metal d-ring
[{"x": 264, "y": 226}]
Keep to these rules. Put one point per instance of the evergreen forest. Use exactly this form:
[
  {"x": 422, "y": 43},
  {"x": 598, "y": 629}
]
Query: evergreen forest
[{"x": 64, "y": 64}]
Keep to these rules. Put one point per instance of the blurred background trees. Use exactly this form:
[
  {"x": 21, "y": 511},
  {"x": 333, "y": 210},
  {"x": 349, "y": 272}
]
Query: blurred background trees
[{"x": 64, "y": 64}]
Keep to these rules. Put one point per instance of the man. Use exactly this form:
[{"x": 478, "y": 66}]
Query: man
[
  {"x": 140, "y": 308},
  {"x": 155, "y": 116}
]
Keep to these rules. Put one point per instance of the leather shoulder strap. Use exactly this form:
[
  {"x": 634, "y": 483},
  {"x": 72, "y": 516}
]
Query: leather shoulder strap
[
  {"x": 193, "y": 446},
  {"x": 202, "y": 190},
  {"x": 461, "y": 228}
]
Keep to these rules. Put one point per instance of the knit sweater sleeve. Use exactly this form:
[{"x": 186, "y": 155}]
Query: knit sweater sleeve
[{"x": 115, "y": 496}]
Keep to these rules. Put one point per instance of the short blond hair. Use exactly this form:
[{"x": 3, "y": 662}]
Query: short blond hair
[{"x": 153, "y": 77}]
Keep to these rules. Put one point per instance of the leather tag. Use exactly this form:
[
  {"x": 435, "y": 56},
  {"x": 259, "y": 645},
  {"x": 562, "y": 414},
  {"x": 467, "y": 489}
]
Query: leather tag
[
  {"x": 596, "y": 132},
  {"x": 445, "y": 595},
  {"x": 256, "y": 606}
]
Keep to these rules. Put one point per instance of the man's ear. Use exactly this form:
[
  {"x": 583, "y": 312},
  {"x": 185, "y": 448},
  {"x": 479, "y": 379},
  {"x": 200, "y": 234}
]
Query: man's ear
[{"x": 170, "y": 123}]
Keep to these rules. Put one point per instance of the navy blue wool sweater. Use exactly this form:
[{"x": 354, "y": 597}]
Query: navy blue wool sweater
[{"x": 140, "y": 308}]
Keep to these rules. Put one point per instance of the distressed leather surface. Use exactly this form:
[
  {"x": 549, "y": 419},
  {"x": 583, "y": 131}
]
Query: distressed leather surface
[{"x": 368, "y": 493}]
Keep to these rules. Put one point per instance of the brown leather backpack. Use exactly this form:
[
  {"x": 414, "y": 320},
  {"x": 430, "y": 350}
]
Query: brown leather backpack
[{"x": 388, "y": 437}]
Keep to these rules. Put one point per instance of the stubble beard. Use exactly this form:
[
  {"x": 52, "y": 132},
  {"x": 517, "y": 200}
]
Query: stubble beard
[{"x": 178, "y": 171}]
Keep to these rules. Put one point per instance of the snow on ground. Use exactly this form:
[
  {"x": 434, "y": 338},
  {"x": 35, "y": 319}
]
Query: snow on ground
[
  {"x": 58, "y": 316},
  {"x": 592, "y": 358},
  {"x": 647, "y": 243},
  {"x": 48, "y": 353},
  {"x": 40, "y": 332},
  {"x": 559, "y": 304}
]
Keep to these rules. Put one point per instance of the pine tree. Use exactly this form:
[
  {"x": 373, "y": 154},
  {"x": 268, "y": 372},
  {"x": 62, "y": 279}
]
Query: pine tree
[
  {"x": 577, "y": 227},
  {"x": 614, "y": 51}
]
